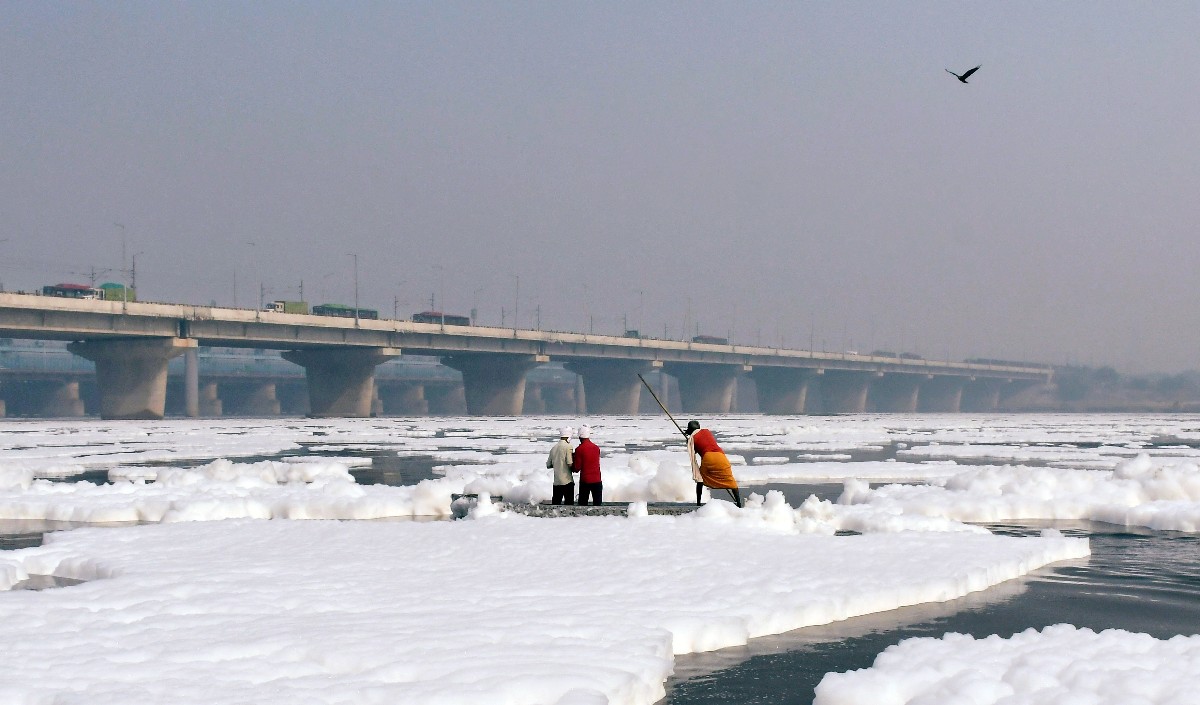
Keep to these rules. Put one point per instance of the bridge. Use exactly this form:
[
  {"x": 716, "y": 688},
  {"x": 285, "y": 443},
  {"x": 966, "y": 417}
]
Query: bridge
[{"x": 131, "y": 344}]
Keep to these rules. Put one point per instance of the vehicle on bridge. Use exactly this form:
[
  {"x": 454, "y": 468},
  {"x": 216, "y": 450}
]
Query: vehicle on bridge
[
  {"x": 288, "y": 307},
  {"x": 343, "y": 311},
  {"x": 72, "y": 291},
  {"x": 117, "y": 292},
  {"x": 439, "y": 317},
  {"x": 1005, "y": 363},
  {"x": 710, "y": 340}
]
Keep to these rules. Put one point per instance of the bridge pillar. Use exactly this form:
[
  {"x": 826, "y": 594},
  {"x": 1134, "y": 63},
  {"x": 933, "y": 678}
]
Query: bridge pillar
[
  {"x": 845, "y": 392},
  {"x": 293, "y": 397},
  {"x": 250, "y": 398},
  {"x": 610, "y": 386},
  {"x": 982, "y": 394},
  {"x": 896, "y": 393},
  {"x": 132, "y": 374},
  {"x": 341, "y": 381},
  {"x": 59, "y": 400},
  {"x": 493, "y": 383},
  {"x": 404, "y": 399},
  {"x": 446, "y": 399},
  {"x": 209, "y": 401},
  {"x": 705, "y": 388},
  {"x": 191, "y": 383},
  {"x": 1016, "y": 390},
  {"x": 941, "y": 393},
  {"x": 781, "y": 390},
  {"x": 560, "y": 399},
  {"x": 534, "y": 403},
  {"x": 3, "y": 409},
  {"x": 261, "y": 400}
]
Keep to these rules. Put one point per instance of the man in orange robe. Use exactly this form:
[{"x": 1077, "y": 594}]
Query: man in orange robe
[{"x": 713, "y": 469}]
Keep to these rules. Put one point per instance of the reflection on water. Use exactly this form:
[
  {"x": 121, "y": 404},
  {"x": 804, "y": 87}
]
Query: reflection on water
[{"x": 1138, "y": 581}]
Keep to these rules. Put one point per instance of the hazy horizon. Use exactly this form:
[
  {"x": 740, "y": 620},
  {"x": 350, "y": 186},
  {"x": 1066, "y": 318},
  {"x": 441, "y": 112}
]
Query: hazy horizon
[{"x": 780, "y": 173}]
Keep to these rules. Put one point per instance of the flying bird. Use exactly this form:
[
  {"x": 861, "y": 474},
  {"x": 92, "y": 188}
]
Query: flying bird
[{"x": 963, "y": 77}]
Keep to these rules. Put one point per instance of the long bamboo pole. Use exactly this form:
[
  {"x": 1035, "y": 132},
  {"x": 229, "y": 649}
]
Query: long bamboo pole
[{"x": 661, "y": 405}]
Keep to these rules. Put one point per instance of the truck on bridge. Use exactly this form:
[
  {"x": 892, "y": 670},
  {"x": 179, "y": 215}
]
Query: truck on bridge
[{"x": 287, "y": 307}]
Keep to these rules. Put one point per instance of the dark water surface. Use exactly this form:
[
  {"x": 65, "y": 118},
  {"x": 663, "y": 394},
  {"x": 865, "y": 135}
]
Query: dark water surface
[{"x": 1138, "y": 581}]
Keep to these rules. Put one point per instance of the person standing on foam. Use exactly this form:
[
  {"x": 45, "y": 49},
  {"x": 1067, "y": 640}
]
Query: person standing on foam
[
  {"x": 562, "y": 460},
  {"x": 713, "y": 470},
  {"x": 587, "y": 464}
]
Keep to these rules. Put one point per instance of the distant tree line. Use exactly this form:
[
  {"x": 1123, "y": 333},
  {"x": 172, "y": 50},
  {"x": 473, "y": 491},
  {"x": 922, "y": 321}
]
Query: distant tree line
[{"x": 1078, "y": 383}]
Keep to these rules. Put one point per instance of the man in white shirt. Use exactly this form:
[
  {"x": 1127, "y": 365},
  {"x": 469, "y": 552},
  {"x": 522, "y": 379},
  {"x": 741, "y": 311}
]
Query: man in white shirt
[{"x": 562, "y": 460}]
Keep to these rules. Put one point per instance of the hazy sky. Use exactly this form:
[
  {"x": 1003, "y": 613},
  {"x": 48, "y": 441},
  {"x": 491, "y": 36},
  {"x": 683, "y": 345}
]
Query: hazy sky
[{"x": 777, "y": 172}]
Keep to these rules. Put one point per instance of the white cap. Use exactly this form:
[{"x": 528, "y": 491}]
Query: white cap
[
  {"x": 585, "y": 431},
  {"x": 565, "y": 432}
]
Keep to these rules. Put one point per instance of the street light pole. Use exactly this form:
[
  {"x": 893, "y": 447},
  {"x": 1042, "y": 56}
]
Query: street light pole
[
  {"x": 641, "y": 311},
  {"x": 355, "y": 256},
  {"x": 516, "y": 303},
  {"x": 441, "y": 308},
  {"x": 475, "y": 305},
  {"x": 255, "y": 271},
  {"x": 124, "y": 271}
]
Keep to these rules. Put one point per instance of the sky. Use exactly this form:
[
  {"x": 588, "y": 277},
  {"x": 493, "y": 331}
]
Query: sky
[{"x": 796, "y": 174}]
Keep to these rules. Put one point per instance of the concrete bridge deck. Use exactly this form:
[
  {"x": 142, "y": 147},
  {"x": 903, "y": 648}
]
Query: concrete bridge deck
[{"x": 131, "y": 342}]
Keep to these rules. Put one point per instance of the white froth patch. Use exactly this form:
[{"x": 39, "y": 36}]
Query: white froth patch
[
  {"x": 874, "y": 471},
  {"x": 1154, "y": 493},
  {"x": 1059, "y": 664},
  {"x": 451, "y": 612},
  {"x": 220, "y": 490}
]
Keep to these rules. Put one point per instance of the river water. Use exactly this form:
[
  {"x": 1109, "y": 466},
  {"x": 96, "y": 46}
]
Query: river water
[
  {"x": 1137, "y": 581},
  {"x": 1140, "y": 581}
]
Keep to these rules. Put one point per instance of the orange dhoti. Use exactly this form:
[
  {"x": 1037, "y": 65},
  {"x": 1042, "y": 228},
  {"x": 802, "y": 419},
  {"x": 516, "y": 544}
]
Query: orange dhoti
[{"x": 715, "y": 472}]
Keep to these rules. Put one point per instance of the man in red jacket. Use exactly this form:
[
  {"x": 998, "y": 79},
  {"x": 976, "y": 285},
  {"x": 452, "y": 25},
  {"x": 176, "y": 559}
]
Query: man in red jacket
[{"x": 587, "y": 464}]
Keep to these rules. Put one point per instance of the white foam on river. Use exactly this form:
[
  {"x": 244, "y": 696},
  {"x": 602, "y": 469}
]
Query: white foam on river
[{"x": 221, "y": 602}]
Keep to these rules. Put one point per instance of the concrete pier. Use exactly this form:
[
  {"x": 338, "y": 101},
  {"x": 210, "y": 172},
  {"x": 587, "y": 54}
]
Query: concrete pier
[
  {"x": 132, "y": 374},
  {"x": 983, "y": 394},
  {"x": 293, "y": 398},
  {"x": 209, "y": 402},
  {"x": 844, "y": 392},
  {"x": 260, "y": 400},
  {"x": 781, "y": 390},
  {"x": 376, "y": 399},
  {"x": 494, "y": 383},
  {"x": 446, "y": 399},
  {"x": 533, "y": 403},
  {"x": 941, "y": 394},
  {"x": 59, "y": 400},
  {"x": 559, "y": 399},
  {"x": 705, "y": 388},
  {"x": 405, "y": 399},
  {"x": 191, "y": 383},
  {"x": 610, "y": 386},
  {"x": 896, "y": 393},
  {"x": 341, "y": 381}
]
